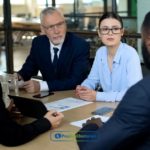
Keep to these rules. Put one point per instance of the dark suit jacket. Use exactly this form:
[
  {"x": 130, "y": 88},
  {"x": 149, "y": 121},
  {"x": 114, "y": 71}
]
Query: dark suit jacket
[
  {"x": 129, "y": 126},
  {"x": 13, "y": 134},
  {"x": 73, "y": 62}
]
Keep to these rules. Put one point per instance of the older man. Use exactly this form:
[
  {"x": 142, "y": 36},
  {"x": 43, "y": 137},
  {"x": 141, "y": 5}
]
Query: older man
[{"x": 60, "y": 56}]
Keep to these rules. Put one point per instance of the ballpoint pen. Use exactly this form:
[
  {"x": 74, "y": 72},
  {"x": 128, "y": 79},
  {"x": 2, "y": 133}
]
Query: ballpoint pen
[{"x": 54, "y": 114}]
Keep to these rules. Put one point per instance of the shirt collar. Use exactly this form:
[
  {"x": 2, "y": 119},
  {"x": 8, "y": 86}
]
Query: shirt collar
[
  {"x": 118, "y": 54},
  {"x": 57, "y": 46}
]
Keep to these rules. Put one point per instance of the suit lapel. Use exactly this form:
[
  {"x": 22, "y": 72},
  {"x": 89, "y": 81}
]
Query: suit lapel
[
  {"x": 64, "y": 54},
  {"x": 47, "y": 54}
]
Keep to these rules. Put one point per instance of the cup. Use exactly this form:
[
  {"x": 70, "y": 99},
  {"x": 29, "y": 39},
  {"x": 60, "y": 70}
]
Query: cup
[
  {"x": 13, "y": 84},
  {"x": 5, "y": 89}
]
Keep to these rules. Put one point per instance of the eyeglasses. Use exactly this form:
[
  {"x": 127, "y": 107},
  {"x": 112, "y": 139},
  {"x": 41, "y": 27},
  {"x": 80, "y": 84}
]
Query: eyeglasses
[
  {"x": 52, "y": 27},
  {"x": 104, "y": 31}
]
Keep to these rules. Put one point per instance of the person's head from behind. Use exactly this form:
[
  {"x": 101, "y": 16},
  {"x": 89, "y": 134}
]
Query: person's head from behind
[
  {"x": 53, "y": 25},
  {"x": 110, "y": 29},
  {"x": 145, "y": 32}
]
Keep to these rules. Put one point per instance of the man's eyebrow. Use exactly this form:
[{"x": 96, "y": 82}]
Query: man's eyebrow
[{"x": 55, "y": 23}]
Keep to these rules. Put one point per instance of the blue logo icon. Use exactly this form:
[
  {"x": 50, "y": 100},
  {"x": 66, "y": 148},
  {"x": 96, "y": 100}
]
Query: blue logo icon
[{"x": 58, "y": 135}]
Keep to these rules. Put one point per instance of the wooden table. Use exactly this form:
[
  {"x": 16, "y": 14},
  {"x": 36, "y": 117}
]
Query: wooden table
[{"x": 44, "y": 141}]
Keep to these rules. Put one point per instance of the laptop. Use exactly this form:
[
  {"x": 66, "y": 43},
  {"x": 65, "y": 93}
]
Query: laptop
[{"x": 29, "y": 107}]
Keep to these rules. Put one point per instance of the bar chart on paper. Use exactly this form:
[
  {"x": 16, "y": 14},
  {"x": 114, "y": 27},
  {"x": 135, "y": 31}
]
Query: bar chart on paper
[{"x": 66, "y": 104}]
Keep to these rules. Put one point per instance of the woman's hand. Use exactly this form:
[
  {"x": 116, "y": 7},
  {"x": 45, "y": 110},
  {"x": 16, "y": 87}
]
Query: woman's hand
[{"x": 86, "y": 94}]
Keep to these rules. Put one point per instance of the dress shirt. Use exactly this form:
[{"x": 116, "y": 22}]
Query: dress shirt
[
  {"x": 43, "y": 84},
  {"x": 126, "y": 71},
  {"x": 52, "y": 51}
]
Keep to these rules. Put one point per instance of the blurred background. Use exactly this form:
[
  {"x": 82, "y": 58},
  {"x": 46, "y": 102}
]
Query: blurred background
[{"x": 19, "y": 24}]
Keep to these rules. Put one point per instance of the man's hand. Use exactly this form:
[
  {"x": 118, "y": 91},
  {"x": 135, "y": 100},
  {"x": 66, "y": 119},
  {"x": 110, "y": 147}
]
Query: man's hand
[
  {"x": 31, "y": 86},
  {"x": 54, "y": 118},
  {"x": 93, "y": 120}
]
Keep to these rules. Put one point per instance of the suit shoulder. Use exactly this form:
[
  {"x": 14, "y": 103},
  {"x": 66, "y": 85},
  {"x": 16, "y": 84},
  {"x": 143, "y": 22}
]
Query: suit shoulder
[
  {"x": 74, "y": 37},
  {"x": 41, "y": 38},
  {"x": 143, "y": 84}
]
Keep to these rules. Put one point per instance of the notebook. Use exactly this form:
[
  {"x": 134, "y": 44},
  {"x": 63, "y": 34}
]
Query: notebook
[{"x": 29, "y": 107}]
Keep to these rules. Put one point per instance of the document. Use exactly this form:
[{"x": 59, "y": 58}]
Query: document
[
  {"x": 66, "y": 104},
  {"x": 80, "y": 122}
]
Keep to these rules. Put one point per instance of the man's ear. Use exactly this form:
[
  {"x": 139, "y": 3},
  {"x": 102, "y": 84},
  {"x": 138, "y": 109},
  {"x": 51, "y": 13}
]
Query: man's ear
[
  {"x": 42, "y": 30},
  {"x": 146, "y": 55}
]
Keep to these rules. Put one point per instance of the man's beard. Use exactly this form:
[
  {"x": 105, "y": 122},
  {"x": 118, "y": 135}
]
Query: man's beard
[{"x": 146, "y": 55}]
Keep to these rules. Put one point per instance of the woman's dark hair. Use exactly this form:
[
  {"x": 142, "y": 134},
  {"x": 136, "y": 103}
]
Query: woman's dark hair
[{"x": 111, "y": 15}]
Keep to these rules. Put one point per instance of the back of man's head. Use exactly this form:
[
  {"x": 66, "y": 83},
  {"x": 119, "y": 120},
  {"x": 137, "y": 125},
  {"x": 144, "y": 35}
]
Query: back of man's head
[
  {"x": 146, "y": 24},
  {"x": 145, "y": 31}
]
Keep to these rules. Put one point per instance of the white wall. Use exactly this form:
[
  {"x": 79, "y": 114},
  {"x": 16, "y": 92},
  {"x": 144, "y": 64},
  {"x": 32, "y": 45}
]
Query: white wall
[
  {"x": 122, "y": 6},
  {"x": 143, "y": 6}
]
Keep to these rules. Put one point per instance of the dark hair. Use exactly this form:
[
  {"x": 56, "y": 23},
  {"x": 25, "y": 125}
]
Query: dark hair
[
  {"x": 146, "y": 25},
  {"x": 145, "y": 29},
  {"x": 111, "y": 15}
]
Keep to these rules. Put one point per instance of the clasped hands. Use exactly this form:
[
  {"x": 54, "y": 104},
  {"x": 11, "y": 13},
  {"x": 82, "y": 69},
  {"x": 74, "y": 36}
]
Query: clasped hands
[{"x": 85, "y": 93}]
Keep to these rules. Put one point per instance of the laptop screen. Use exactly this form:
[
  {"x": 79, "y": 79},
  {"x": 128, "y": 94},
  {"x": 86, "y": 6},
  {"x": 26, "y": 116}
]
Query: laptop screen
[{"x": 29, "y": 107}]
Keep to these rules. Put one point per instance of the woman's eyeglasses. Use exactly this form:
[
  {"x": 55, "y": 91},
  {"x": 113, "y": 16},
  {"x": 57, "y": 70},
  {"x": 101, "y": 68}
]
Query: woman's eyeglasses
[{"x": 115, "y": 30}]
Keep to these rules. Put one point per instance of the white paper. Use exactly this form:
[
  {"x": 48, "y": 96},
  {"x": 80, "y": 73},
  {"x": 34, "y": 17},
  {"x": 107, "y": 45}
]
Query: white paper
[
  {"x": 80, "y": 122},
  {"x": 66, "y": 104}
]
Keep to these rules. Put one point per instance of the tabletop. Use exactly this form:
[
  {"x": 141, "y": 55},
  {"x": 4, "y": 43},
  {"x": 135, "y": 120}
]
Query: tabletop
[{"x": 48, "y": 140}]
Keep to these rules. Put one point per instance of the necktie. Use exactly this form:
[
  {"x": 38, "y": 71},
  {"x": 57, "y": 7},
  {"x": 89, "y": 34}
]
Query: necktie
[{"x": 55, "y": 60}]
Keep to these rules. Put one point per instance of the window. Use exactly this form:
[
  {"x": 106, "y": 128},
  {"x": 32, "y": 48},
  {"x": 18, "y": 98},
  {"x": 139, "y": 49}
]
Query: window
[
  {"x": 43, "y": 2},
  {"x": 64, "y": 2},
  {"x": 20, "y": 2}
]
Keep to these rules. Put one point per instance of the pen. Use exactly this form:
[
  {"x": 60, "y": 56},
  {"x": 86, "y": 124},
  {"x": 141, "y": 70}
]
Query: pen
[{"x": 54, "y": 114}]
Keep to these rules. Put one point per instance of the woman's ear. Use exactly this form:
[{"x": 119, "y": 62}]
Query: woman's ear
[
  {"x": 122, "y": 31},
  {"x": 99, "y": 35}
]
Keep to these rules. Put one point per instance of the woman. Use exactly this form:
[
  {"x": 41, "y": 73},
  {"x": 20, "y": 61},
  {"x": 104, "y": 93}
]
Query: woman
[
  {"x": 128, "y": 128},
  {"x": 116, "y": 66},
  {"x": 13, "y": 134}
]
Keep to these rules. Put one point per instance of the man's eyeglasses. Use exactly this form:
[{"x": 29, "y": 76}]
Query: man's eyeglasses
[
  {"x": 52, "y": 27},
  {"x": 115, "y": 30}
]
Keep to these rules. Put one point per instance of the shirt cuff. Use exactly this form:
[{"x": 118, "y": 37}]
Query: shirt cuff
[
  {"x": 43, "y": 86},
  {"x": 106, "y": 96}
]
